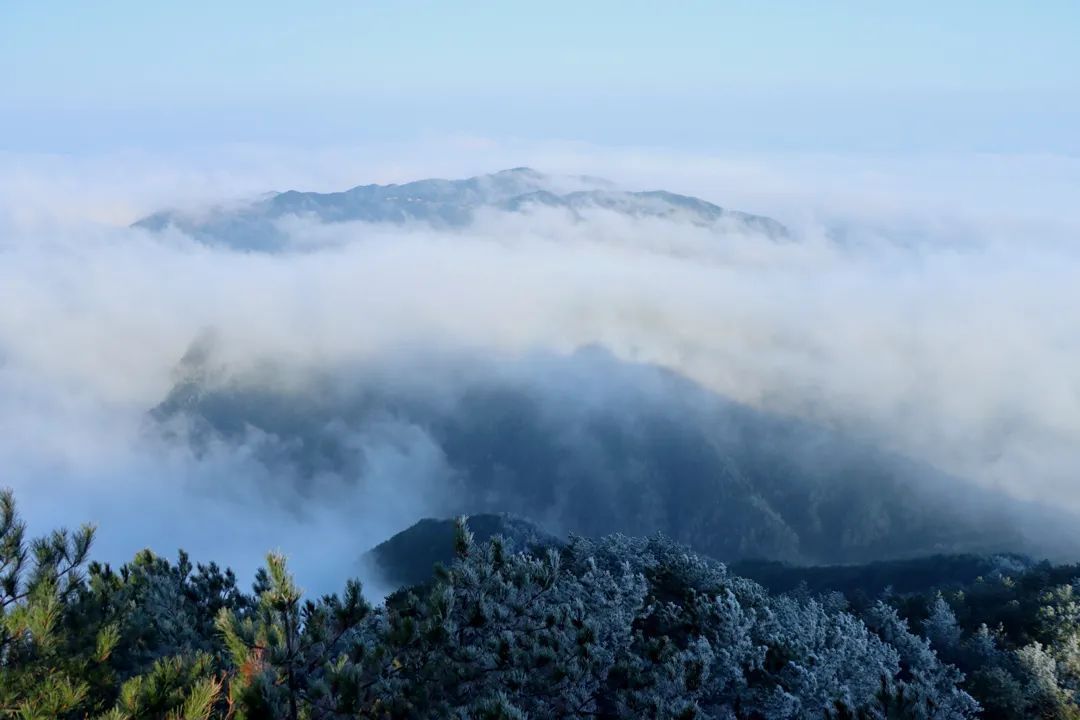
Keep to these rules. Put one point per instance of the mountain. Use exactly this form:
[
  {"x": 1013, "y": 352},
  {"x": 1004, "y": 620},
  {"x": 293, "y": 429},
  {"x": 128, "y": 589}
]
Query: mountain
[
  {"x": 591, "y": 444},
  {"x": 408, "y": 557},
  {"x": 447, "y": 204}
]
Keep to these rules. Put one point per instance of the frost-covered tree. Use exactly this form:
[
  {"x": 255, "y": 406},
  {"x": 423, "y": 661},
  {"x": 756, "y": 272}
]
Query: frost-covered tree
[
  {"x": 942, "y": 630},
  {"x": 161, "y": 609},
  {"x": 615, "y": 627},
  {"x": 930, "y": 686},
  {"x": 708, "y": 644},
  {"x": 505, "y": 630}
]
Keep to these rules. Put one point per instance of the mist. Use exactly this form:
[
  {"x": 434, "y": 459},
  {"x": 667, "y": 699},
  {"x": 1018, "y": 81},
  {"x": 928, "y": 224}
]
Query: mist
[{"x": 932, "y": 312}]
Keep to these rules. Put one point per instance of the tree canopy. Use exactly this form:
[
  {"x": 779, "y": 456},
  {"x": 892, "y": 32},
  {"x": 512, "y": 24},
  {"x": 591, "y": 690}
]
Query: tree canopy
[{"x": 594, "y": 628}]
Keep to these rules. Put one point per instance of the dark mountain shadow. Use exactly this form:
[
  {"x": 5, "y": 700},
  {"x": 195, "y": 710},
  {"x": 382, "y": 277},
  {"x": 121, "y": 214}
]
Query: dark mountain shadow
[
  {"x": 408, "y": 557},
  {"x": 589, "y": 444}
]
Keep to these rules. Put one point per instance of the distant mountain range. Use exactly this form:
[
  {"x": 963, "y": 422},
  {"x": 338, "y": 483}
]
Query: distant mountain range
[{"x": 447, "y": 204}]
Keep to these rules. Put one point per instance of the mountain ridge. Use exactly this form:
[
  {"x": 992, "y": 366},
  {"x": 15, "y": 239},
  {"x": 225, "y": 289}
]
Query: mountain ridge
[
  {"x": 448, "y": 204},
  {"x": 648, "y": 450},
  {"x": 408, "y": 558}
]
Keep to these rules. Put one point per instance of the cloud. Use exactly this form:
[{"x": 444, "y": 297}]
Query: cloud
[{"x": 928, "y": 304}]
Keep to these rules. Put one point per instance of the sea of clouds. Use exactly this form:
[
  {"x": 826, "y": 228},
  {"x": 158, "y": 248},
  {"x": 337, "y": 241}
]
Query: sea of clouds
[{"x": 930, "y": 304}]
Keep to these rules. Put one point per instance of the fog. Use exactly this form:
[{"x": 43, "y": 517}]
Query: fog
[{"x": 930, "y": 306}]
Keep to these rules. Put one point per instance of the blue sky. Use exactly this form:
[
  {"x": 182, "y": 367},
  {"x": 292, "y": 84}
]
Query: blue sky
[{"x": 989, "y": 76}]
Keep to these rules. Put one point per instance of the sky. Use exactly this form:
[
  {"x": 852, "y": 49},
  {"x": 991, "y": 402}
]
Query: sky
[{"x": 782, "y": 76}]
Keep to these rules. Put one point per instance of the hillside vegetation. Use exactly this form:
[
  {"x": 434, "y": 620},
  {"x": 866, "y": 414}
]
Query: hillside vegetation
[{"x": 609, "y": 628}]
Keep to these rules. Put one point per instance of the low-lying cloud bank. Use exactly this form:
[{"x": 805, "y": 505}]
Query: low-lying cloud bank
[{"x": 940, "y": 324}]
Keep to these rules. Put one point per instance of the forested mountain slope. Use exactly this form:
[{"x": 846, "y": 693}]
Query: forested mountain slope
[{"x": 590, "y": 444}]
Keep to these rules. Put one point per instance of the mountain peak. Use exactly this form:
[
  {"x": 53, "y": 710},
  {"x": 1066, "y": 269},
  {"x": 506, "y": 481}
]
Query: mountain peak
[
  {"x": 444, "y": 203},
  {"x": 522, "y": 172}
]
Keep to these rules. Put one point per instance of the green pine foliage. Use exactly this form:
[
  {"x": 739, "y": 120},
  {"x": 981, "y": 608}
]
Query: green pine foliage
[{"x": 53, "y": 662}]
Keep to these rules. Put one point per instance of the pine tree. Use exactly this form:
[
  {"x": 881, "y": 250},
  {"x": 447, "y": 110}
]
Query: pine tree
[
  {"x": 51, "y": 664},
  {"x": 287, "y": 654},
  {"x": 175, "y": 688}
]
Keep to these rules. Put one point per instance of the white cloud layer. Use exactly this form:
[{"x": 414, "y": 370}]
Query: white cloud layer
[{"x": 930, "y": 303}]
